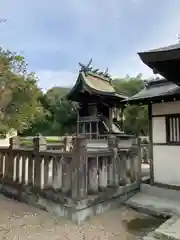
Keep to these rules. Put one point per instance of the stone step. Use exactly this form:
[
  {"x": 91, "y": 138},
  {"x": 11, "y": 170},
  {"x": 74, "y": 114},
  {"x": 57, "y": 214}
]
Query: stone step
[
  {"x": 170, "y": 194},
  {"x": 164, "y": 231},
  {"x": 154, "y": 205},
  {"x": 169, "y": 230}
]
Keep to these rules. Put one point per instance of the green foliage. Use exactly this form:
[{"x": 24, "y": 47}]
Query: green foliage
[
  {"x": 136, "y": 117},
  {"x": 136, "y": 120},
  {"x": 19, "y": 93},
  {"x": 61, "y": 114},
  {"x": 129, "y": 86},
  {"x": 61, "y": 118},
  {"x": 25, "y": 108}
]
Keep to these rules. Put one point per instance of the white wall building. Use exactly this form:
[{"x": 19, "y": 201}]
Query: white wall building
[{"x": 163, "y": 99}]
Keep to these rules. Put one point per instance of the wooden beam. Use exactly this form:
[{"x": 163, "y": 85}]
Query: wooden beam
[{"x": 150, "y": 130}]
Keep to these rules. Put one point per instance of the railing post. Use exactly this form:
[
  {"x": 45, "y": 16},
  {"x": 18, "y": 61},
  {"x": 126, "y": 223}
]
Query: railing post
[
  {"x": 93, "y": 165},
  {"x": 57, "y": 172},
  {"x": 65, "y": 142},
  {"x": 66, "y": 174},
  {"x": 14, "y": 143},
  {"x": 103, "y": 163},
  {"x": 39, "y": 144},
  {"x": 112, "y": 144},
  {"x": 79, "y": 169}
]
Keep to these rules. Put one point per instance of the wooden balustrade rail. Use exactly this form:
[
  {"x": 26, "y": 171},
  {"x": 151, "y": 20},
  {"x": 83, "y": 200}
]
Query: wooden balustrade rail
[{"x": 76, "y": 173}]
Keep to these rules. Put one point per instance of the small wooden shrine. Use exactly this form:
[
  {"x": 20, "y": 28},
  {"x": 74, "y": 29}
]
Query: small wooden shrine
[{"x": 99, "y": 103}]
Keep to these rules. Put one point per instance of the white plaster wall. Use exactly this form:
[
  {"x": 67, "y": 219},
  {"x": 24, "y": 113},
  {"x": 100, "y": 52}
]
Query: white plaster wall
[
  {"x": 166, "y": 108},
  {"x": 159, "y": 129},
  {"x": 166, "y": 161}
]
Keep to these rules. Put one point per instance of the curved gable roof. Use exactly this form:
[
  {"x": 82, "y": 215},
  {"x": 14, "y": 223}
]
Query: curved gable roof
[{"x": 95, "y": 84}]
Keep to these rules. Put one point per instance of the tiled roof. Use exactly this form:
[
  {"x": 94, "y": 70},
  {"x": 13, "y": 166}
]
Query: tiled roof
[
  {"x": 95, "y": 83},
  {"x": 156, "y": 89},
  {"x": 167, "y": 48}
]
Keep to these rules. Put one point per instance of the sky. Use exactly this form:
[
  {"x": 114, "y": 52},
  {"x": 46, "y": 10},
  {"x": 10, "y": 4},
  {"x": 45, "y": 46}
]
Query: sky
[{"x": 55, "y": 35}]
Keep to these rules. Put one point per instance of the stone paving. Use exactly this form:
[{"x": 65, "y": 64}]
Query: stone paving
[
  {"x": 19, "y": 221},
  {"x": 160, "y": 202}
]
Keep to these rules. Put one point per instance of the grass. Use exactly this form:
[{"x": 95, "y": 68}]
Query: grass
[{"x": 28, "y": 142}]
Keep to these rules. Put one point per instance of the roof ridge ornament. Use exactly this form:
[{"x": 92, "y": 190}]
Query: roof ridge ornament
[{"x": 88, "y": 69}]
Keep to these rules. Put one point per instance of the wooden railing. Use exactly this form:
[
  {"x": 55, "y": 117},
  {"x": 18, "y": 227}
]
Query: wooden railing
[
  {"x": 89, "y": 168},
  {"x": 62, "y": 143}
]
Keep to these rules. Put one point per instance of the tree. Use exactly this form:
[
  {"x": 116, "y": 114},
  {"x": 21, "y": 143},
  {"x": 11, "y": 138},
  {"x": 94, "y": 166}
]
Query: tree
[
  {"x": 129, "y": 86},
  {"x": 61, "y": 114},
  {"x": 19, "y": 93},
  {"x": 136, "y": 117},
  {"x": 61, "y": 117},
  {"x": 62, "y": 111}
]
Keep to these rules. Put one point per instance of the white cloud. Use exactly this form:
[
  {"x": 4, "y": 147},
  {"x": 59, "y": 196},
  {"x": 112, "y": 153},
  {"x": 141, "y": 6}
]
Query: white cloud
[
  {"x": 95, "y": 27},
  {"x": 166, "y": 33},
  {"x": 49, "y": 79}
]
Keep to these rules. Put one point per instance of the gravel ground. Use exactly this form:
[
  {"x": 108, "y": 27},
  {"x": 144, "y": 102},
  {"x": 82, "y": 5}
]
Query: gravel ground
[{"x": 19, "y": 221}]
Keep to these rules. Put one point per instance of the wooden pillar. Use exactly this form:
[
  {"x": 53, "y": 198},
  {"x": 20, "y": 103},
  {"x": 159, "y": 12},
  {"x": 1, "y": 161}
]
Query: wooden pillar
[
  {"x": 79, "y": 169},
  {"x": 121, "y": 118},
  {"x": 110, "y": 119},
  {"x": 83, "y": 128},
  {"x": 66, "y": 143},
  {"x": 97, "y": 129},
  {"x": 77, "y": 130},
  {"x": 150, "y": 130},
  {"x": 112, "y": 144},
  {"x": 90, "y": 130},
  {"x": 39, "y": 144},
  {"x": 110, "y": 172},
  {"x": 103, "y": 162}
]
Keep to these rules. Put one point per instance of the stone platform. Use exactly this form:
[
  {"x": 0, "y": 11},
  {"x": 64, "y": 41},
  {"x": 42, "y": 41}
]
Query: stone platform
[
  {"x": 156, "y": 201},
  {"x": 159, "y": 202},
  {"x": 168, "y": 230},
  {"x": 75, "y": 210}
]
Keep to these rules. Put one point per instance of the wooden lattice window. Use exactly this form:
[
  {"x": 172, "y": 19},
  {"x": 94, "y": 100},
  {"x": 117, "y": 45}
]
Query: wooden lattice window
[{"x": 173, "y": 128}]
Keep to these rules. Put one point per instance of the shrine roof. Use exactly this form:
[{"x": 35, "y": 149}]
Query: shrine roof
[
  {"x": 155, "y": 90},
  {"x": 95, "y": 83},
  {"x": 164, "y": 61}
]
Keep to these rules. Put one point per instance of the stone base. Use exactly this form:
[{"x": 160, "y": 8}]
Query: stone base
[
  {"x": 75, "y": 210},
  {"x": 156, "y": 201},
  {"x": 159, "y": 202},
  {"x": 168, "y": 230},
  {"x": 83, "y": 210}
]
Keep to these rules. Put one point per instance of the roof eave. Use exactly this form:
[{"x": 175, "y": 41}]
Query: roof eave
[{"x": 154, "y": 99}]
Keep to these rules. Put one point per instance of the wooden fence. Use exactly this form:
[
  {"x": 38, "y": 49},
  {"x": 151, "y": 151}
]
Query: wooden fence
[
  {"x": 88, "y": 168},
  {"x": 62, "y": 143}
]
